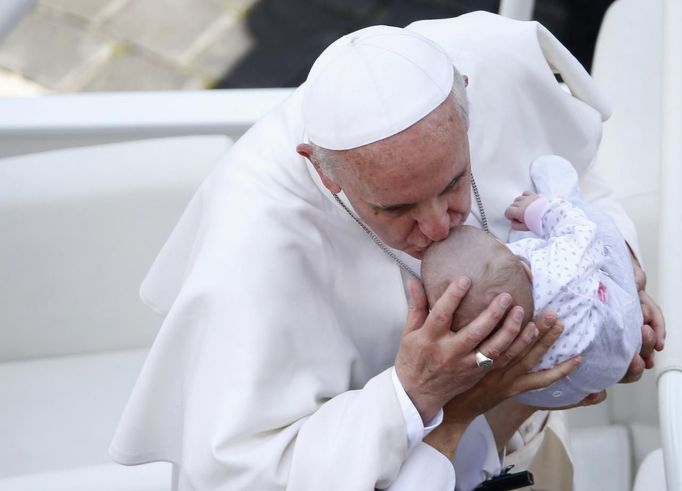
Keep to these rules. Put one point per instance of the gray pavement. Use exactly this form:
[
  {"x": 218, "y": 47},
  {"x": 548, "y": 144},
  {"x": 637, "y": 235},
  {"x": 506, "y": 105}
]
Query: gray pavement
[{"x": 109, "y": 45}]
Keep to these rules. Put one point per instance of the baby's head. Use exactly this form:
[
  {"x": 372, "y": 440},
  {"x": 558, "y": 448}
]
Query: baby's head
[{"x": 489, "y": 264}]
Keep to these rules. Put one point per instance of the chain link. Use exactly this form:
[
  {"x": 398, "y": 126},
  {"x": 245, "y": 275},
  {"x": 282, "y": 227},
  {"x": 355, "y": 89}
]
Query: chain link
[
  {"x": 479, "y": 203},
  {"x": 376, "y": 239}
]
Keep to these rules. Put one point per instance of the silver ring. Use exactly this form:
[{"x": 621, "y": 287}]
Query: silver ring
[{"x": 483, "y": 361}]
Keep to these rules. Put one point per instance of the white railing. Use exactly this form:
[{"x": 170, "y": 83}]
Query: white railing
[
  {"x": 35, "y": 124},
  {"x": 670, "y": 236}
]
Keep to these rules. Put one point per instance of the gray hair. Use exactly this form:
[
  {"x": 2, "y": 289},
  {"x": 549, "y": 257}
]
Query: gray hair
[
  {"x": 327, "y": 159},
  {"x": 459, "y": 96}
]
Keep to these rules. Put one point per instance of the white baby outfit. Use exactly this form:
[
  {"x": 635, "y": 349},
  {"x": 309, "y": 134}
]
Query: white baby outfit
[{"x": 582, "y": 271}]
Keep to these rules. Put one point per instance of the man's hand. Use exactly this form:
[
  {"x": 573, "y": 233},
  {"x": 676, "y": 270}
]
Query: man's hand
[
  {"x": 516, "y": 211},
  {"x": 434, "y": 364},
  {"x": 510, "y": 375},
  {"x": 653, "y": 330}
]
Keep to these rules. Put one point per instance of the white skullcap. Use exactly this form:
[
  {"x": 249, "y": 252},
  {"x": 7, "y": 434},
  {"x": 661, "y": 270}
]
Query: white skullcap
[{"x": 372, "y": 84}]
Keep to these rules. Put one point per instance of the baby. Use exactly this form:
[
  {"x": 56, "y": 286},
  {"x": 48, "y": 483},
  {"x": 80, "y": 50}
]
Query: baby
[{"x": 563, "y": 256}]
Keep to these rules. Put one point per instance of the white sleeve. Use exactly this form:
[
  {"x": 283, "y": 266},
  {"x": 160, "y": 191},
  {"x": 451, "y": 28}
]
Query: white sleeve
[
  {"x": 354, "y": 441},
  {"x": 476, "y": 460},
  {"x": 363, "y": 409},
  {"x": 425, "y": 469},
  {"x": 416, "y": 430}
]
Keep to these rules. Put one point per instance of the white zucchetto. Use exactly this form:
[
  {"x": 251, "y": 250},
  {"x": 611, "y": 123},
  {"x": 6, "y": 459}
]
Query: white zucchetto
[{"x": 372, "y": 84}]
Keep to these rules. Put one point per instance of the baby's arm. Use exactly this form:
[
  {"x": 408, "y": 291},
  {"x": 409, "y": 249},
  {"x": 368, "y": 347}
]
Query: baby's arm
[
  {"x": 565, "y": 264},
  {"x": 547, "y": 218},
  {"x": 570, "y": 250},
  {"x": 516, "y": 211}
]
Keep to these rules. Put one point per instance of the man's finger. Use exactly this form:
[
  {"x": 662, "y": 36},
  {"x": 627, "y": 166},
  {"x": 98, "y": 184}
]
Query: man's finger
[
  {"x": 640, "y": 275},
  {"x": 543, "y": 323},
  {"x": 654, "y": 318},
  {"x": 439, "y": 320},
  {"x": 545, "y": 378},
  {"x": 592, "y": 399},
  {"x": 541, "y": 347},
  {"x": 470, "y": 336},
  {"x": 501, "y": 340},
  {"x": 635, "y": 370},
  {"x": 520, "y": 345},
  {"x": 648, "y": 341},
  {"x": 418, "y": 307}
]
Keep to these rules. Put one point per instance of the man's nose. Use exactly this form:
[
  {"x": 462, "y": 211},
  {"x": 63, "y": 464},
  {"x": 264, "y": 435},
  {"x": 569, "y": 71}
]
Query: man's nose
[{"x": 434, "y": 220}]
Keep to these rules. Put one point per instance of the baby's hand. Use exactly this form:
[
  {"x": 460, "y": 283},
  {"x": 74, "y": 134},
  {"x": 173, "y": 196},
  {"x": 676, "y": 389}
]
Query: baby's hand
[{"x": 516, "y": 210}]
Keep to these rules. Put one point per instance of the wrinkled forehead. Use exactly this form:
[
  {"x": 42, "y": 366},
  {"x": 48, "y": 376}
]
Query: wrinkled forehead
[{"x": 417, "y": 164}]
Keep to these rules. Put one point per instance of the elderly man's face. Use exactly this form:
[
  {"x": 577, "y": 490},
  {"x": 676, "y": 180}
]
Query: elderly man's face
[{"x": 413, "y": 187}]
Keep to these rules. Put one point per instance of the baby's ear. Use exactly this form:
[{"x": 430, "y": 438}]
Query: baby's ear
[{"x": 527, "y": 270}]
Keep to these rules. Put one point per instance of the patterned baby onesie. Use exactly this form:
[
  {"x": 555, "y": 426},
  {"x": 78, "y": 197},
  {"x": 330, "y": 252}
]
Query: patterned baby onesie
[{"x": 582, "y": 271}]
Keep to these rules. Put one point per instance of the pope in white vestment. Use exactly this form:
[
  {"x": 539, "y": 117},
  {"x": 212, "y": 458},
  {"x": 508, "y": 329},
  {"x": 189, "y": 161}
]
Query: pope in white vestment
[{"x": 273, "y": 367}]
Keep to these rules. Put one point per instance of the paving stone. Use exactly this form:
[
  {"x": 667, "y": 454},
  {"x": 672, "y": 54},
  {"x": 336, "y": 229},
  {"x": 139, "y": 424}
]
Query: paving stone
[
  {"x": 225, "y": 51},
  {"x": 130, "y": 70},
  {"x": 244, "y": 43},
  {"x": 47, "y": 49},
  {"x": 166, "y": 27},
  {"x": 86, "y": 9}
]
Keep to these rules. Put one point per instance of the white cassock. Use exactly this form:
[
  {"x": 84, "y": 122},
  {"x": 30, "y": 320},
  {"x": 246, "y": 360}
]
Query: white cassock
[{"x": 273, "y": 367}]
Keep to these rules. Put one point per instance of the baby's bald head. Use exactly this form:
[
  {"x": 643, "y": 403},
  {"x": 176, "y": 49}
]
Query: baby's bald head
[{"x": 489, "y": 264}]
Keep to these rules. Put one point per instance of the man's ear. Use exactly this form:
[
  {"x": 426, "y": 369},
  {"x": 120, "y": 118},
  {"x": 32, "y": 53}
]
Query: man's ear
[{"x": 305, "y": 150}]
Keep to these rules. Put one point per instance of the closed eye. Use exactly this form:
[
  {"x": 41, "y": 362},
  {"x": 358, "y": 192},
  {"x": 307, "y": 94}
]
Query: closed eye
[
  {"x": 452, "y": 183},
  {"x": 395, "y": 208},
  {"x": 399, "y": 208}
]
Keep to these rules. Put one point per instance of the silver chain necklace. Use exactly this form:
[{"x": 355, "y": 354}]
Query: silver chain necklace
[{"x": 390, "y": 253}]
